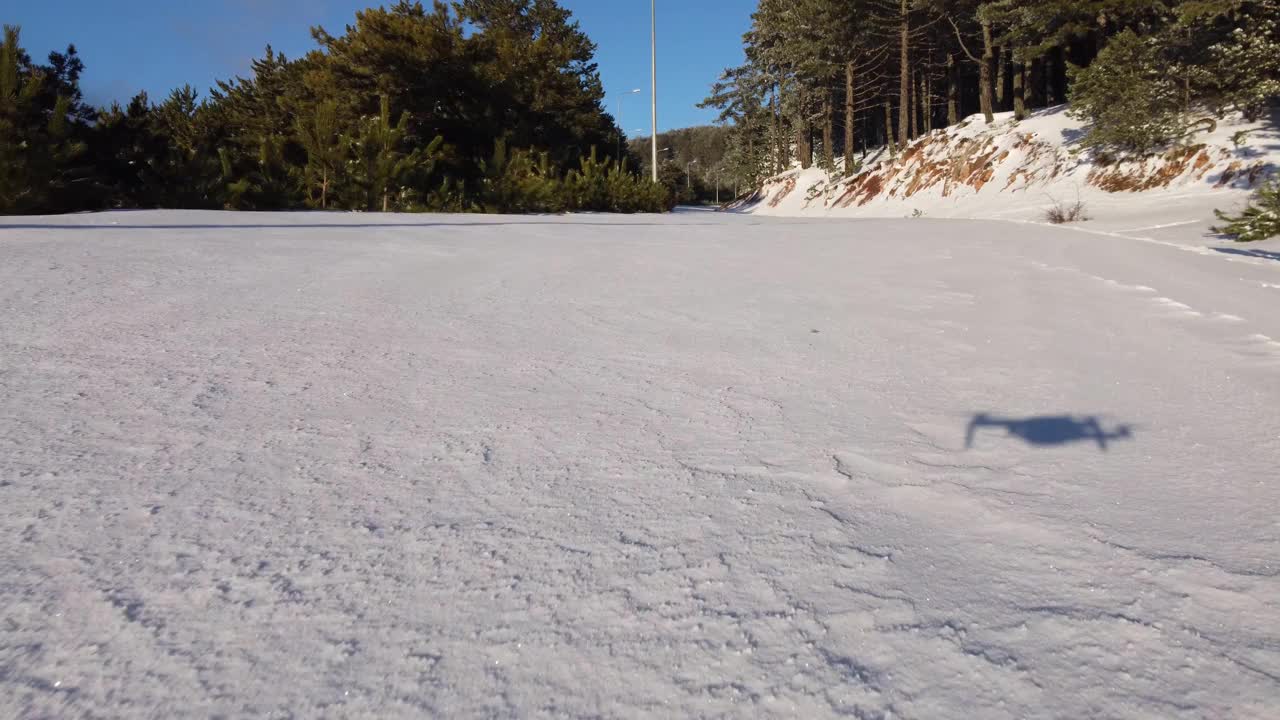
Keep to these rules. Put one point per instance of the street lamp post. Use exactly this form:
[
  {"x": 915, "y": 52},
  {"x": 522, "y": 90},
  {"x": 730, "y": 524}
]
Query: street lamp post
[
  {"x": 622, "y": 97},
  {"x": 687, "y": 177},
  {"x": 653, "y": 41},
  {"x": 662, "y": 150}
]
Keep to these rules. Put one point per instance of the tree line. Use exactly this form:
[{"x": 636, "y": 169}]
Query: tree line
[
  {"x": 691, "y": 162},
  {"x": 478, "y": 105},
  {"x": 828, "y": 79}
]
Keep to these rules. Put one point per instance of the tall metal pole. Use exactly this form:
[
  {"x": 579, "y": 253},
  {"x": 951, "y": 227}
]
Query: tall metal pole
[
  {"x": 622, "y": 97},
  {"x": 653, "y": 39}
]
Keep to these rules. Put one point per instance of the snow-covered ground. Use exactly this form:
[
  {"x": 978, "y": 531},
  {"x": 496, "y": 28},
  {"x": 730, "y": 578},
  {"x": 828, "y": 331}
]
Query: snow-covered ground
[
  {"x": 697, "y": 465},
  {"x": 1016, "y": 170}
]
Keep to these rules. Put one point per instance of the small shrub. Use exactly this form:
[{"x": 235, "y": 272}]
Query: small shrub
[
  {"x": 447, "y": 197},
  {"x": 1259, "y": 221},
  {"x": 1062, "y": 213},
  {"x": 516, "y": 182},
  {"x": 608, "y": 187}
]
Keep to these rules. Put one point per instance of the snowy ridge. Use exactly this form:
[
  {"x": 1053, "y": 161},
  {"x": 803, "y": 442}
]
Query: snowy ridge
[{"x": 1015, "y": 170}]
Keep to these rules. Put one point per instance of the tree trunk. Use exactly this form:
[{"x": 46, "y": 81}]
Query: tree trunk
[
  {"x": 953, "y": 91},
  {"x": 1058, "y": 77},
  {"x": 828, "y": 131},
  {"x": 804, "y": 136},
  {"x": 850, "y": 116},
  {"x": 324, "y": 189},
  {"x": 888, "y": 127},
  {"x": 1002, "y": 77},
  {"x": 984, "y": 72},
  {"x": 928, "y": 103},
  {"x": 773, "y": 121},
  {"x": 1036, "y": 83},
  {"x": 1019, "y": 90},
  {"x": 915, "y": 107},
  {"x": 386, "y": 201},
  {"x": 904, "y": 74}
]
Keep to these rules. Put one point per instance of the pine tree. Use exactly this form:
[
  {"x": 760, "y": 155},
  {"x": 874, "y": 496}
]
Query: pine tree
[
  {"x": 380, "y": 165},
  {"x": 317, "y": 130},
  {"x": 320, "y": 137},
  {"x": 1127, "y": 97},
  {"x": 1243, "y": 69},
  {"x": 544, "y": 79},
  {"x": 1261, "y": 220},
  {"x": 184, "y": 162},
  {"x": 261, "y": 156},
  {"x": 423, "y": 63},
  {"x": 123, "y": 149},
  {"x": 40, "y": 152},
  {"x": 23, "y": 170}
]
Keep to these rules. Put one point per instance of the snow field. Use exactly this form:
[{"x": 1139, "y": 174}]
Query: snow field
[{"x": 694, "y": 465}]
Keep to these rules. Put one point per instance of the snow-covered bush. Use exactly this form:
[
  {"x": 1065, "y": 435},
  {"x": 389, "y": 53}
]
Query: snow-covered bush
[
  {"x": 1259, "y": 221},
  {"x": 1128, "y": 99},
  {"x": 1245, "y": 67}
]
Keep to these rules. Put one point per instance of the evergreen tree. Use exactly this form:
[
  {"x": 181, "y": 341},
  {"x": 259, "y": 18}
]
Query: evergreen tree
[
  {"x": 1128, "y": 97},
  {"x": 320, "y": 137},
  {"x": 891, "y": 70},
  {"x": 422, "y": 62},
  {"x": 543, "y": 77},
  {"x": 124, "y": 151},
  {"x": 1242, "y": 69},
  {"x": 261, "y": 157},
  {"x": 40, "y": 154},
  {"x": 263, "y": 185},
  {"x": 380, "y": 165},
  {"x": 22, "y": 172},
  {"x": 185, "y": 165},
  {"x": 1259, "y": 221}
]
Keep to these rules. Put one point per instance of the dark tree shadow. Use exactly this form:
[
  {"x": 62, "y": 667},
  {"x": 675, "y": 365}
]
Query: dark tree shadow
[
  {"x": 330, "y": 226},
  {"x": 1046, "y": 430},
  {"x": 1264, "y": 254},
  {"x": 319, "y": 220}
]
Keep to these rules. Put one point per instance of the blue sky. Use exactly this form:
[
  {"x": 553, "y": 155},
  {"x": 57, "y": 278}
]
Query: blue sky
[{"x": 156, "y": 45}]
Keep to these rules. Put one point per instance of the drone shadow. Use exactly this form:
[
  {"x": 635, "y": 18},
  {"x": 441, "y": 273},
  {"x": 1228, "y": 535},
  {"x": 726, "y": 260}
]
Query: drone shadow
[{"x": 1050, "y": 430}]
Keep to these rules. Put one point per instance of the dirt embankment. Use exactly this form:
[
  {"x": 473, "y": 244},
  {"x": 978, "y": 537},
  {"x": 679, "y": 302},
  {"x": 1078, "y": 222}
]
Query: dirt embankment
[{"x": 1012, "y": 157}]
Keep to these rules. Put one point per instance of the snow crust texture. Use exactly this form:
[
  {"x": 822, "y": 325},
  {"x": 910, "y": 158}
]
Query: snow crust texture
[{"x": 688, "y": 466}]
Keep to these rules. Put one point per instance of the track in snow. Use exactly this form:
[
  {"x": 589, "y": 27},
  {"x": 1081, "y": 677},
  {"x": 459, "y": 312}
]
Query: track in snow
[{"x": 262, "y": 465}]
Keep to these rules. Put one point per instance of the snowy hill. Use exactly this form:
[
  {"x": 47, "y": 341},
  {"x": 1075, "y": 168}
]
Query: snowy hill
[{"x": 1016, "y": 170}]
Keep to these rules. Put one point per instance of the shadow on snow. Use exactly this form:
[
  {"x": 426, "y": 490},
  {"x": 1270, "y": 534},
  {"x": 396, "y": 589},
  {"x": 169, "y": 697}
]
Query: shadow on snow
[
  {"x": 329, "y": 226},
  {"x": 1264, "y": 254},
  {"x": 1049, "y": 430}
]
